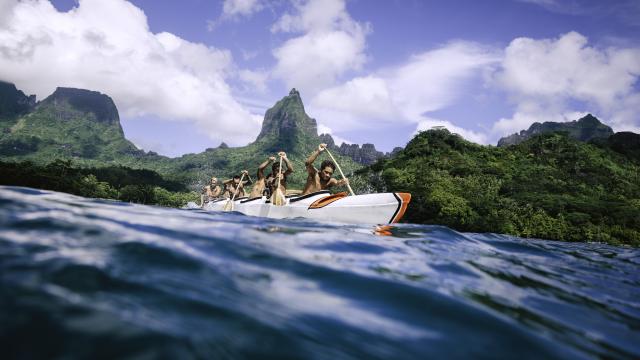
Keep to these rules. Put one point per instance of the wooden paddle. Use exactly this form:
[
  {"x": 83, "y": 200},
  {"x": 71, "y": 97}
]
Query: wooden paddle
[
  {"x": 229, "y": 205},
  {"x": 340, "y": 170},
  {"x": 278, "y": 197}
]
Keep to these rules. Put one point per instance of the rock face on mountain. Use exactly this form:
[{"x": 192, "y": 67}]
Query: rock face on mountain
[
  {"x": 365, "y": 154},
  {"x": 287, "y": 126},
  {"x": 14, "y": 102},
  {"x": 585, "y": 129},
  {"x": 69, "y": 101},
  {"x": 70, "y": 123}
]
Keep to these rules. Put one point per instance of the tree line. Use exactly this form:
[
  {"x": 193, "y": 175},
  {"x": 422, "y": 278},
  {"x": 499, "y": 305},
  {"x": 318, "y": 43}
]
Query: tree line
[
  {"x": 113, "y": 182},
  {"x": 550, "y": 186}
]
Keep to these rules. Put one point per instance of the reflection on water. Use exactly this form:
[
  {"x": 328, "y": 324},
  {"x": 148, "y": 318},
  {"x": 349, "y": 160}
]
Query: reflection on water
[{"x": 87, "y": 278}]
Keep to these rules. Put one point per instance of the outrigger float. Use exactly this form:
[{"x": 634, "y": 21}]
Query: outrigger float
[{"x": 385, "y": 208}]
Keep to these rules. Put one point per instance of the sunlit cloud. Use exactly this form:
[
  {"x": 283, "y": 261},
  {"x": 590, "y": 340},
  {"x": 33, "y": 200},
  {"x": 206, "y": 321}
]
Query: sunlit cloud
[{"x": 145, "y": 73}]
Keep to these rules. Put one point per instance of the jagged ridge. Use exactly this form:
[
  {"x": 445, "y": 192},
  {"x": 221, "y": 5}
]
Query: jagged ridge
[{"x": 584, "y": 129}]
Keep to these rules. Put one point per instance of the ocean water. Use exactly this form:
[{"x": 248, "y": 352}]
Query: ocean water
[{"x": 86, "y": 278}]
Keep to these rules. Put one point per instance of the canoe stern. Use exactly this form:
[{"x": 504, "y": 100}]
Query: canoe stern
[{"x": 403, "y": 201}]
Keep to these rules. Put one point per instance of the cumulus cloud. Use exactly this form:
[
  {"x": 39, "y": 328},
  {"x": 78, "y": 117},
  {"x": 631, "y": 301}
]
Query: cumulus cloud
[
  {"x": 529, "y": 112},
  {"x": 232, "y": 8},
  {"x": 331, "y": 43},
  {"x": 146, "y": 74},
  {"x": 427, "y": 82},
  {"x": 544, "y": 77},
  {"x": 236, "y": 9},
  {"x": 427, "y": 123},
  {"x": 254, "y": 80},
  {"x": 6, "y": 9}
]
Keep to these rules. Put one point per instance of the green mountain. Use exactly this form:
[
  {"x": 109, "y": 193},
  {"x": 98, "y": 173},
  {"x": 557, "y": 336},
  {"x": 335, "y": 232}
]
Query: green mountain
[
  {"x": 625, "y": 143},
  {"x": 286, "y": 127},
  {"x": 14, "y": 102},
  {"x": 84, "y": 126},
  {"x": 72, "y": 124},
  {"x": 550, "y": 186},
  {"x": 584, "y": 129}
]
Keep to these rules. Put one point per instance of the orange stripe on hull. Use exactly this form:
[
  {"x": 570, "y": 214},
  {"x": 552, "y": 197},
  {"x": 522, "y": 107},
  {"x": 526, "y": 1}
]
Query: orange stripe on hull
[
  {"x": 320, "y": 203},
  {"x": 405, "y": 199}
]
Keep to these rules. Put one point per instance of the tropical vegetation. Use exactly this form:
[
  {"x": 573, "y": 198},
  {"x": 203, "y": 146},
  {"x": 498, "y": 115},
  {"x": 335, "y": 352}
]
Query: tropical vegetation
[
  {"x": 115, "y": 182},
  {"x": 550, "y": 186}
]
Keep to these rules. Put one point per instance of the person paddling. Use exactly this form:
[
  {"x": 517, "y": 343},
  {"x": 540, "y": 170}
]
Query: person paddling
[
  {"x": 259, "y": 186},
  {"x": 232, "y": 184},
  {"x": 210, "y": 192},
  {"x": 271, "y": 182},
  {"x": 321, "y": 179}
]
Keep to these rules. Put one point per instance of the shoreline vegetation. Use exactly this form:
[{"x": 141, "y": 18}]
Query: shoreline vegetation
[
  {"x": 550, "y": 187},
  {"x": 576, "y": 181},
  {"x": 113, "y": 182}
]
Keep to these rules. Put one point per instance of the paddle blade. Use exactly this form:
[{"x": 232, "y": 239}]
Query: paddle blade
[
  {"x": 278, "y": 198},
  {"x": 228, "y": 206}
]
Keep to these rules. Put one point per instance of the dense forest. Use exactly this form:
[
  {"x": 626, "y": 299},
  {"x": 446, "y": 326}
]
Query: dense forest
[
  {"x": 114, "y": 182},
  {"x": 550, "y": 186}
]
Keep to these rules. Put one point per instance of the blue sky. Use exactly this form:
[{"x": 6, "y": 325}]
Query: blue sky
[{"x": 189, "y": 74}]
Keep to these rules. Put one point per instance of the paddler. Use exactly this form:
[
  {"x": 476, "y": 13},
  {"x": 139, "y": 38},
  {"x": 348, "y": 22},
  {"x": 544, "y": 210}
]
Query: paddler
[
  {"x": 271, "y": 181},
  {"x": 210, "y": 192},
  {"x": 322, "y": 179},
  {"x": 232, "y": 184},
  {"x": 259, "y": 186}
]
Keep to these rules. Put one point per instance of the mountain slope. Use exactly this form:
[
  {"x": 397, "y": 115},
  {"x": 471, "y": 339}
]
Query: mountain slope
[
  {"x": 286, "y": 127},
  {"x": 584, "y": 129},
  {"x": 70, "y": 123},
  {"x": 550, "y": 186},
  {"x": 84, "y": 126},
  {"x": 13, "y": 104}
]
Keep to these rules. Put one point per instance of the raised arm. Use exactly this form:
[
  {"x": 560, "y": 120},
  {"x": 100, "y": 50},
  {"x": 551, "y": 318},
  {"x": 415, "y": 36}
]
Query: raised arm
[
  {"x": 248, "y": 181},
  {"x": 264, "y": 166},
  {"x": 314, "y": 155},
  {"x": 286, "y": 161}
]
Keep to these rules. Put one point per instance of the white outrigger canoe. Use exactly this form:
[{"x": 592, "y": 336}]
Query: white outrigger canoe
[{"x": 385, "y": 208}]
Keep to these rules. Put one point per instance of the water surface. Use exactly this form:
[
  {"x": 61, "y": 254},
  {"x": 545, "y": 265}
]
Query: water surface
[{"x": 104, "y": 279}]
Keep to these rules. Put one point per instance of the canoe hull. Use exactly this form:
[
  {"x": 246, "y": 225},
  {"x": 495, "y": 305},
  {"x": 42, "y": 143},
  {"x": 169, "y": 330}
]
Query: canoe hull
[{"x": 382, "y": 208}]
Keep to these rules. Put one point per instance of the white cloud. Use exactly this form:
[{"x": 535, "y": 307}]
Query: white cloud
[
  {"x": 232, "y": 8},
  {"x": 427, "y": 123},
  {"x": 557, "y": 80},
  {"x": 331, "y": 44},
  {"x": 543, "y": 77},
  {"x": 435, "y": 79},
  {"x": 529, "y": 112},
  {"x": 427, "y": 82},
  {"x": 6, "y": 10},
  {"x": 356, "y": 103},
  {"x": 145, "y": 73},
  {"x": 256, "y": 81}
]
